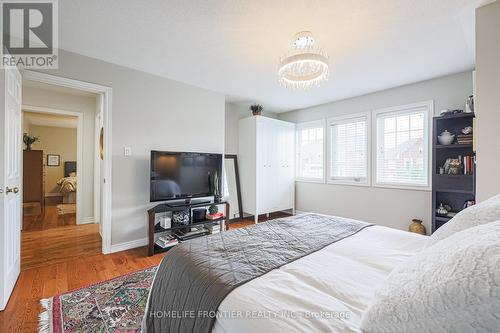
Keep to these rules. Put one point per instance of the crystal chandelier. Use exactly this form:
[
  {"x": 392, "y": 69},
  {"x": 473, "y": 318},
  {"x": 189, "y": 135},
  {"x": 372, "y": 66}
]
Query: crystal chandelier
[{"x": 305, "y": 66}]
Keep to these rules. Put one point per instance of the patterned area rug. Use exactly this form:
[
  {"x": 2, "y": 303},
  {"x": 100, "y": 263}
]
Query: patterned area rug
[{"x": 113, "y": 306}]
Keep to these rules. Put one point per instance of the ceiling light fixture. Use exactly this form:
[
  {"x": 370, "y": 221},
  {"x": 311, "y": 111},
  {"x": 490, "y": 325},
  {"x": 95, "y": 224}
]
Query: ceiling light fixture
[{"x": 305, "y": 66}]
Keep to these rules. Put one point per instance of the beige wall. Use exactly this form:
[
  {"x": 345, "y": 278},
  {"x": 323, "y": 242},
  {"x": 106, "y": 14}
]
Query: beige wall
[
  {"x": 149, "y": 112},
  {"x": 59, "y": 141},
  {"x": 390, "y": 207},
  {"x": 86, "y": 105},
  {"x": 487, "y": 101}
]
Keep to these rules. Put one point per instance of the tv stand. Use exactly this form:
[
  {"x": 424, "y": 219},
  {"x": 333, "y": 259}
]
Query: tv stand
[{"x": 166, "y": 207}]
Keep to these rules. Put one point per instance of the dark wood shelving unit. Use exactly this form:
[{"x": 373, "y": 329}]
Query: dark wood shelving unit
[
  {"x": 453, "y": 190},
  {"x": 154, "y": 229}
]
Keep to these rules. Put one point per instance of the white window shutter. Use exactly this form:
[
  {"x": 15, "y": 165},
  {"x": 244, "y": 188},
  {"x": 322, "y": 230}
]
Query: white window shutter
[{"x": 402, "y": 147}]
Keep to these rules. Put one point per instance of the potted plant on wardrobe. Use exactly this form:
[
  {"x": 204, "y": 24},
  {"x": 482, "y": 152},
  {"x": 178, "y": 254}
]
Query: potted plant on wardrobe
[{"x": 256, "y": 109}]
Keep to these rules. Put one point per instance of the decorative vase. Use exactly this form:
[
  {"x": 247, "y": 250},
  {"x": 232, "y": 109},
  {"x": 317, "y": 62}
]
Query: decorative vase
[
  {"x": 28, "y": 146},
  {"x": 256, "y": 113},
  {"x": 441, "y": 210},
  {"x": 417, "y": 227}
]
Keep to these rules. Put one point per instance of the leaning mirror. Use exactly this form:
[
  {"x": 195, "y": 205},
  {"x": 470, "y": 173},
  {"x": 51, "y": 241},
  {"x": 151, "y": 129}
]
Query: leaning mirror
[{"x": 232, "y": 187}]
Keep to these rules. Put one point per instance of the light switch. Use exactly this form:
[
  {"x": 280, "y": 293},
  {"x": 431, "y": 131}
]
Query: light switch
[{"x": 127, "y": 151}]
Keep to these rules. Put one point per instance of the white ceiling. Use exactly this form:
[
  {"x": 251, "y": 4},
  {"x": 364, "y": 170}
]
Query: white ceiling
[{"x": 233, "y": 46}]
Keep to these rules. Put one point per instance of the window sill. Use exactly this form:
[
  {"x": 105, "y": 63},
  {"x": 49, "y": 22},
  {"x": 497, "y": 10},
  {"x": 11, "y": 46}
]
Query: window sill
[
  {"x": 404, "y": 187},
  {"x": 347, "y": 183},
  {"x": 310, "y": 180}
]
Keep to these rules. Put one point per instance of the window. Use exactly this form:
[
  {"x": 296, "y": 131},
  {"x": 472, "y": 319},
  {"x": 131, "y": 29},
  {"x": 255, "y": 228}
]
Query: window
[
  {"x": 348, "y": 149},
  {"x": 402, "y": 149},
  {"x": 310, "y": 151}
]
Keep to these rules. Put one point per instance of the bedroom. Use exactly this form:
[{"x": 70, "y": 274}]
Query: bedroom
[
  {"x": 60, "y": 128},
  {"x": 316, "y": 157}
]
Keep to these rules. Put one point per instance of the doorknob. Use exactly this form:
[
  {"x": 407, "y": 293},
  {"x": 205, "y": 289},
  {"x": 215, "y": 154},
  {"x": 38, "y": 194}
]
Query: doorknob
[{"x": 9, "y": 190}]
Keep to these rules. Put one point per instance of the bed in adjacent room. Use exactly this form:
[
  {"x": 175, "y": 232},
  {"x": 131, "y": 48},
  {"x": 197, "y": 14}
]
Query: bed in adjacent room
[{"x": 67, "y": 184}]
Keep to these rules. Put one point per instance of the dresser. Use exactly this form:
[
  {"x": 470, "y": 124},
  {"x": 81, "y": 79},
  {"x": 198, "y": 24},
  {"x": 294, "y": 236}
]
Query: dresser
[
  {"x": 266, "y": 158},
  {"x": 33, "y": 191}
]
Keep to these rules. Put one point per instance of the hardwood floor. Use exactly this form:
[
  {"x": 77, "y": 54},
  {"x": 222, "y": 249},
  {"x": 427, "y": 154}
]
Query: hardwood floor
[
  {"x": 52, "y": 238},
  {"x": 52, "y": 246},
  {"x": 21, "y": 313},
  {"x": 72, "y": 272},
  {"x": 47, "y": 220}
]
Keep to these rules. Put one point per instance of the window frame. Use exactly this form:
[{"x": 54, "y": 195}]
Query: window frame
[
  {"x": 403, "y": 109},
  {"x": 308, "y": 125},
  {"x": 341, "y": 120}
]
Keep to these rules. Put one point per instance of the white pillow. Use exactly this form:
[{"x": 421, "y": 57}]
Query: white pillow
[
  {"x": 453, "y": 286},
  {"x": 484, "y": 212}
]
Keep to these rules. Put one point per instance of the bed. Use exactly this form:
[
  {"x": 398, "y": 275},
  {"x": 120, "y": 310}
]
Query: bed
[
  {"x": 325, "y": 290},
  {"x": 67, "y": 184}
]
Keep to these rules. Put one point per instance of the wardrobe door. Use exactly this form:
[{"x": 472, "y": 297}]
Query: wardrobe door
[
  {"x": 289, "y": 166},
  {"x": 285, "y": 188},
  {"x": 263, "y": 165},
  {"x": 274, "y": 168}
]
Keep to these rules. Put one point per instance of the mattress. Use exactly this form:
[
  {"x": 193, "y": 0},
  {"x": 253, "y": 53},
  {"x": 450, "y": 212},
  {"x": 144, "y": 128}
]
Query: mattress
[{"x": 326, "y": 291}]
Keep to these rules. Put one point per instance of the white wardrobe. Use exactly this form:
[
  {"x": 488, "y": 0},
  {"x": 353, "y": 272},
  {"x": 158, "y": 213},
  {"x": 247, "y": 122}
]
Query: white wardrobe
[{"x": 266, "y": 158}]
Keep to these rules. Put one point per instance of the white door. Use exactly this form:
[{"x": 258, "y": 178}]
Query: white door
[{"x": 10, "y": 180}]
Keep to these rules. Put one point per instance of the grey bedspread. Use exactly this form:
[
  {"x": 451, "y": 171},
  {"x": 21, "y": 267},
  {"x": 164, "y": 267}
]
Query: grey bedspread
[{"x": 195, "y": 277}]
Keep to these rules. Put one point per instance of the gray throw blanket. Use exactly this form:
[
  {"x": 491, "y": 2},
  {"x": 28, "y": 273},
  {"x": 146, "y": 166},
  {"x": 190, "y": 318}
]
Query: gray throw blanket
[{"x": 195, "y": 277}]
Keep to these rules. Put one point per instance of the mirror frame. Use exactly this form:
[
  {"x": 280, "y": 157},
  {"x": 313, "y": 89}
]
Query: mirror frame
[{"x": 238, "y": 188}]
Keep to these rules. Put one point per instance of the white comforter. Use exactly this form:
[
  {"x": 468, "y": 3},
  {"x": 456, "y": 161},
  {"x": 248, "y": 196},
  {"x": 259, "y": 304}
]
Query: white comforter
[{"x": 326, "y": 291}]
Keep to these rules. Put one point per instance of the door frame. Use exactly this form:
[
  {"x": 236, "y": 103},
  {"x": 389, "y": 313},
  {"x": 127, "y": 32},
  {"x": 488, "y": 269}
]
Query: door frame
[
  {"x": 97, "y": 167},
  {"x": 79, "y": 147},
  {"x": 107, "y": 96}
]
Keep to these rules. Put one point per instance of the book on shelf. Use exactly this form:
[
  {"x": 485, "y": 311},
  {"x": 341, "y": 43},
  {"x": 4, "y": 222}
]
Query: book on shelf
[
  {"x": 215, "y": 216},
  {"x": 468, "y": 165},
  {"x": 166, "y": 241},
  {"x": 464, "y": 139},
  {"x": 213, "y": 229}
]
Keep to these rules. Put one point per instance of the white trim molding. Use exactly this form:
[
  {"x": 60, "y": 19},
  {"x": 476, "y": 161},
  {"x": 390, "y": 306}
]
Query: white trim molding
[
  {"x": 107, "y": 97},
  {"x": 306, "y": 125},
  {"x": 79, "y": 147},
  {"x": 129, "y": 245},
  {"x": 87, "y": 220},
  {"x": 343, "y": 120},
  {"x": 403, "y": 109}
]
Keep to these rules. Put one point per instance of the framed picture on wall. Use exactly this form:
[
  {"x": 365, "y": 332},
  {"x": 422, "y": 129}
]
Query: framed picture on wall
[{"x": 53, "y": 160}]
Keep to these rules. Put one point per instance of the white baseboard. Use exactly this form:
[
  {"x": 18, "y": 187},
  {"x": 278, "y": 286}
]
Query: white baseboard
[
  {"x": 86, "y": 220},
  {"x": 297, "y": 212},
  {"x": 129, "y": 245}
]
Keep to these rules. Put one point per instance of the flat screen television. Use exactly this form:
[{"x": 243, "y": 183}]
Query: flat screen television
[{"x": 183, "y": 175}]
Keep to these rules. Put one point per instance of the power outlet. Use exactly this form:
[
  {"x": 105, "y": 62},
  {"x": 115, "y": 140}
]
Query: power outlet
[{"x": 127, "y": 151}]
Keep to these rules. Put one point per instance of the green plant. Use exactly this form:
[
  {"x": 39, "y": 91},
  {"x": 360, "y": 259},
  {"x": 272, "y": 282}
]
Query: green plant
[
  {"x": 213, "y": 209},
  {"x": 29, "y": 140},
  {"x": 256, "y": 109}
]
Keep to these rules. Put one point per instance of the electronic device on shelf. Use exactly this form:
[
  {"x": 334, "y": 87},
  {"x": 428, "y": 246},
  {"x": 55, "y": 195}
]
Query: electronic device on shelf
[{"x": 184, "y": 175}]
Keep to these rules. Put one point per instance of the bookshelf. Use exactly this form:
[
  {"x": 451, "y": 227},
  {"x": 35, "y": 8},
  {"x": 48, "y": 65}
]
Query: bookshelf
[{"x": 453, "y": 190}]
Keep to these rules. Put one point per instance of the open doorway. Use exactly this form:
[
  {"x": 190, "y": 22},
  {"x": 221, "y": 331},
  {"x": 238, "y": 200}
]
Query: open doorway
[{"x": 60, "y": 216}]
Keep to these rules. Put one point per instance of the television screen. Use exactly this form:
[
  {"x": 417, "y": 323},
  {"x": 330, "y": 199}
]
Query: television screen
[{"x": 177, "y": 175}]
